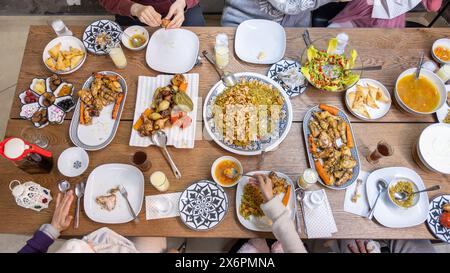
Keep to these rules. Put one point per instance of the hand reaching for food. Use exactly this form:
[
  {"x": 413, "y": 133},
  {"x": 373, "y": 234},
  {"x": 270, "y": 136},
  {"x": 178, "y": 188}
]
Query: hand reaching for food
[
  {"x": 176, "y": 14},
  {"x": 61, "y": 219},
  {"x": 265, "y": 185},
  {"x": 146, "y": 14}
]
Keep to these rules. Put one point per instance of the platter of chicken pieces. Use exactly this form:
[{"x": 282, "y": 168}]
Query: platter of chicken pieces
[{"x": 331, "y": 147}]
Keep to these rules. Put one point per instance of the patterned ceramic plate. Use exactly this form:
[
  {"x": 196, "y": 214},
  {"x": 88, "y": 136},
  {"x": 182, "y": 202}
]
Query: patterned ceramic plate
[
  {"x": 109, "y": 27},
  {"x": 203, "y": 205},
  {"x": 435, "y": 212},
  {"x": 255, "y": 147},
  {"x": 353, "y": 150},
  {"x": 283, "y": 66}
]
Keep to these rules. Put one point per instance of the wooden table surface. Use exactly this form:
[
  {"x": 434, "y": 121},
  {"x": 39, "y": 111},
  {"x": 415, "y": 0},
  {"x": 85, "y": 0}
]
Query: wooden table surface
[{"x": 396, "y": 50}]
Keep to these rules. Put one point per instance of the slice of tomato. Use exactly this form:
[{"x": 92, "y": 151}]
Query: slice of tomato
[{"x": 444, "y": 219}]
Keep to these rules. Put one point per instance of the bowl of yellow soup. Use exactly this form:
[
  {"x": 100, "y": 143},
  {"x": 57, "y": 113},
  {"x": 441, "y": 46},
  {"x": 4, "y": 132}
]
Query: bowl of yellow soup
[{"x": 421, "y": 96}]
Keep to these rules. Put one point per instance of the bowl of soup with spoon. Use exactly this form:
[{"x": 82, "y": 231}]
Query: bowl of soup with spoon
[{"x": 421, "y": 96}]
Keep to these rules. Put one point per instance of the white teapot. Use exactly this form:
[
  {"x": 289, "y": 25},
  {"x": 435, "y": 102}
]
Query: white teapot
[{"x": 30, "y": 195}]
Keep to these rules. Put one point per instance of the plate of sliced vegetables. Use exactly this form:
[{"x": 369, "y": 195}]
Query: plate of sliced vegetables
[
  {"x": 327, "y": 69},
  {"x": 331, "y": 146},
  {"x": 97, "y": 114}
]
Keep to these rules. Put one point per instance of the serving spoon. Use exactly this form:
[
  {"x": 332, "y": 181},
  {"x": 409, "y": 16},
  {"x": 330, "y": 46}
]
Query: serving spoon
[
  {"x": 381, "y": 186},
  {"x": 419, "y": 65},
  {"x": 134, "y": 41},
  {"x": 227, "y": 78},
  {"x": 160, "y": 140},
  {"x": 402, "y": 196},
  {"x": 63, "y": 186},
  {"x": 232, "y": 173}
]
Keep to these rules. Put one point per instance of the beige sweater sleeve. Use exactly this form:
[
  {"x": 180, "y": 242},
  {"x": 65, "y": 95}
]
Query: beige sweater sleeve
[{"x": 283, "y": 227}]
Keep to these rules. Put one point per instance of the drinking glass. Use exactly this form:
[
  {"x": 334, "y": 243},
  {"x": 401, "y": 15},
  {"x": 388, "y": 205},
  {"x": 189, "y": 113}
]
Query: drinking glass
[
  {"x": 141, "y": 160},
  {"x": 117, "y": 56},
  {"x": 34, "y": 136},
  {"x": 383, "y": 150}
]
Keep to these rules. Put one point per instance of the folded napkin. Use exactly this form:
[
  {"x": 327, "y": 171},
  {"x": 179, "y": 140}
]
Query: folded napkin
[
  {"x": 151, "y": 205},
  {"x": 389, "y": 9},
  {"x": 319, "y": 219},
  {"x": 361, "y": 207}
]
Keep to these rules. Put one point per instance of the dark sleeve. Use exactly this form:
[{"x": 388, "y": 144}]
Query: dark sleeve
[
  {"x": 39, "y": 243},
  {"x": 120, "y": 7}
]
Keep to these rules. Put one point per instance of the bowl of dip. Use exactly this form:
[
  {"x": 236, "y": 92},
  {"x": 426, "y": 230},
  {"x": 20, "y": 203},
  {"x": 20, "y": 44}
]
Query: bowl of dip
[{"x": 139, "y": 34}]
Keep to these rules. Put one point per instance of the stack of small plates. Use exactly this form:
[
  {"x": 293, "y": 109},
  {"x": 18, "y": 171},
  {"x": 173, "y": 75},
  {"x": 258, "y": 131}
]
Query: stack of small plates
[{"x": 432, "y": 150}]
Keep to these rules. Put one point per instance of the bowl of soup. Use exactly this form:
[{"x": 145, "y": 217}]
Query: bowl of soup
[
  {"x": 137, "y": 34},
  {"x": 421, "y": 96},
  {"x": 226, "y": 171}
]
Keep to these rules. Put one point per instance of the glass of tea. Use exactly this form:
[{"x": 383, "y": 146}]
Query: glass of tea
[
  {"x": 141, "y": 160},
  {"x": 383, "y": 150}
]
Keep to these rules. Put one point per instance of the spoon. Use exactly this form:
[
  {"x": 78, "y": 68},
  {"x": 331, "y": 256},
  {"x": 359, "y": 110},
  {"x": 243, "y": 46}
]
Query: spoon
[
  {"x": 367, "y": 68},
  {"x": 63, "y": 186},
  {"x": 332, "y": 73},
  {"x": 227, "y": 78},
  {"x": 381, "y": 186},
  {"x": 233, "y": 173},
  {"x": 160, "y": 140},
  {"x": 134, "y": 41},
  {"x": 401, "y": 196},
  {"x": 419, "y": 65},
  {"x": 79, "y": 192}
]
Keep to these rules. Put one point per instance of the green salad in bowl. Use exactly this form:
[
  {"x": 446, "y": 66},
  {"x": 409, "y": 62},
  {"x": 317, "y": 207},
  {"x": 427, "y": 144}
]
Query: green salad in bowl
[{"x": 328, "y": 71}]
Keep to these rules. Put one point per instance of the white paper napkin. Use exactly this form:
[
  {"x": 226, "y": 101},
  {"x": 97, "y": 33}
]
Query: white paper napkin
[
  {"x": 361, "y": 207},
  {"x": 389, "y": 9},
  {"x": 151, "y": 208},
  {"x": 319, "y": 220}
]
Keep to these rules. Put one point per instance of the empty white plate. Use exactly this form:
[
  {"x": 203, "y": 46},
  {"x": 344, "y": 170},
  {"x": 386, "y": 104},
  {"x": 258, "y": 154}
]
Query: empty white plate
[
  {"x": 73, "y": 162},
  {"x": 387, "y": 213},
  {"x": 173, "y": 51},
  {"x": 109, "y": 176},
  {"x": 260, "y": 41},
  {"x": 434, "y": 147}
]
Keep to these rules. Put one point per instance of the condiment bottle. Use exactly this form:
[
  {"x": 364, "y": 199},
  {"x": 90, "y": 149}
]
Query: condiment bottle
[
  {"x": 342, "y": 40},
  {"x": 60, "y": 28},
  {"x": 221, "y": 50},
  {"x": 159, "y": 180},
  {"x": 28, "y": 157}
]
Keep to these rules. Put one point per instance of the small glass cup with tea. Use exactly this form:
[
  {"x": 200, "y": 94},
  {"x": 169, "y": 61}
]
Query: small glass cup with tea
[
  {"x": 383, "y": 150},
  {"x": 141, "y": 160}
]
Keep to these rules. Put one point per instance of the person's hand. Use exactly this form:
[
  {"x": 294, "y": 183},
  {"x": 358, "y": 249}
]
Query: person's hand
[
  {"x": 61, "y": 219},
  {"x": 176, "y": 14},
  {"x": 146, "y": 14},
  {"x": 358, "y": 246},
  {"x": 265, "y": 185}
]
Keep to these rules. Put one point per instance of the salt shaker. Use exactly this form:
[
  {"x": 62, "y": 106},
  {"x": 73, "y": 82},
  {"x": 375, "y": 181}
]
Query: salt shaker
[
  {"x": 342, "y": 40},
  {"x": 30, "y": 195},
  {"x": 60, "y": 28}
]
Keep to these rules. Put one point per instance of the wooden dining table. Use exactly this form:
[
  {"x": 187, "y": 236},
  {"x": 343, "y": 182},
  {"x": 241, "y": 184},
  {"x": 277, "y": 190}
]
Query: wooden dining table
[{"x": 395, "y": 49}]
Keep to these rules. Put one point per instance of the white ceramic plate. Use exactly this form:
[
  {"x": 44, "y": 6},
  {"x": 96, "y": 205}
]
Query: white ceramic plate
[
  {"x": 108, "y": 176},
  {"x": 445, "y": 42},
  {"x": 254, "y": 223},
  {"x": 373, "y": 112},
  {"x": 257, "y": 37},
  {"x": 434, "y": 147},
  {"x": 180, "y": 138},
  {"x": 387, "y": 213},
  {"x": 103, "y": 129},
  {"x": 442, "y": 112},
  {"x": 66, "y": 43},
  {"x": 172, "y": 50}
]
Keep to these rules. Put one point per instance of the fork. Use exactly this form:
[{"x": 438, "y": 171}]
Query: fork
[{"x": 124, "y": 193}]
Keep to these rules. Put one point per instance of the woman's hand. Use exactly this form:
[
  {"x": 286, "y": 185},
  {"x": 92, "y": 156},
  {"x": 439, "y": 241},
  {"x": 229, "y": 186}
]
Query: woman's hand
[
  {"x": 265, "y": 185},
  {"x": 61, "y": 219},
  {"x": 176, "y": 14},
  {"x": 146, "y": 14}
]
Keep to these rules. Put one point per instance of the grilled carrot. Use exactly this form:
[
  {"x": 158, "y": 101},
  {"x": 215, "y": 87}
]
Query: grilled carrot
[
  {"x": 322, "y": 173},
  {"x": 183, "y": 86},
  {"x": 139, "y": 122},
  {"x": 331, "y": 109},
  {"x": 287, "y": 195},
  {"x": 312, "y": 144},
  {"x": 117, "y": 105},
  {"x": 348, "y": 132},
  {"x": 82, "y": 112}
]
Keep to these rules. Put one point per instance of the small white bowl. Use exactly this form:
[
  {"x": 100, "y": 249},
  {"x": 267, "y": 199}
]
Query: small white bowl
[
  {"x": 441, "y": 42},
  {"x": 394, "y": 182},
  {"x": 217, "y": 161},
  {"x": 129, "y": 32},
  {"x": 73, "y": 162},
  {"x": 66, "y": 43}
]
